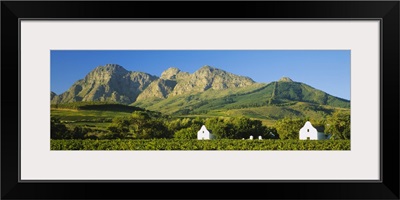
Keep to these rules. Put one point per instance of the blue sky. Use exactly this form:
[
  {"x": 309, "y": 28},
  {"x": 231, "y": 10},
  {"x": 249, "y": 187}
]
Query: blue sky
[{"x": 327, "y": 70}]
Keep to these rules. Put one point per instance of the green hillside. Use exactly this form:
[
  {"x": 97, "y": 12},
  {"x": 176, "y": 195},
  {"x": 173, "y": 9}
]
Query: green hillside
[
  {"x": 294, "y": 91},
  {"x": 202, "y": 102},
  {"x": 268, "y": 102}
]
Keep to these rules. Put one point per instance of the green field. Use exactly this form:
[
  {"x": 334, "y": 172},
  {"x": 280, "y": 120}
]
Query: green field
[
  {"x": 224, "y": 144},
  {"x": 97, "y": 120},
  {"x": 71, "y": 115}
]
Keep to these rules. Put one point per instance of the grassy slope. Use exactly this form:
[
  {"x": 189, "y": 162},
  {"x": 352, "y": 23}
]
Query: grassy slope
[
  {"x": 251, "y": 102},
  {"x": 208, "y": 100}
]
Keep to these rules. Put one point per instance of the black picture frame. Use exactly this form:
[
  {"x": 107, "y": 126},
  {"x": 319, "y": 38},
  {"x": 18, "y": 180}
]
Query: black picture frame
[{"x": 386, "y": 11}]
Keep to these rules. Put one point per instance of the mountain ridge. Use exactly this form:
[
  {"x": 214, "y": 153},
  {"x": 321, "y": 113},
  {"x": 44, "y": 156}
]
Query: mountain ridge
[{"x": 114, "y": 83}]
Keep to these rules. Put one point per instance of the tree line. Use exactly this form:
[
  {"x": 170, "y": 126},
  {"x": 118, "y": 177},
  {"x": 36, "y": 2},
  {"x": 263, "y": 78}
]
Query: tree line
[{"x": 145, "y": 125}]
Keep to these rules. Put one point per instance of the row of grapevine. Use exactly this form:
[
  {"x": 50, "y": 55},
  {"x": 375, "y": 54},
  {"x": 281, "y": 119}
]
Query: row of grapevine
[{"x": 224, "y": 144}]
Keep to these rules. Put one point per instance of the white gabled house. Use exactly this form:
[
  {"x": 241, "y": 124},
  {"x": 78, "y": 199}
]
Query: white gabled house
[
  {"x": 308, "y": 132},
  {"x": 204, "y": 134}
]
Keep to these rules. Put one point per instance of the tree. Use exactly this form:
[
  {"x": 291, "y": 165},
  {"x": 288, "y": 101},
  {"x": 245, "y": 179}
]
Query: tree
[
  {"x": 140, "y": 115},
  {"x": 147, "y": 128},
  {"x": 236, "y": 128},
  {"x": 270, "y": 133},
  {"x": 140, "y": 125},
  {"x": 175, "y": 125},
  {"x": 186, "y": 133},
  {"x": 185, "y": 128},
  {"x": 244, "y": 127},
  {"x": 289, "y": 128},
  {"x": 119, "y": 127},
  {"x": 79, "y": 133},
  {"x": 157, "y": 129},
  {"x": 220, "y": 128},
  {"x": 319, "y": 124},
  {"x": 57, "y": 129},
  {"x": 338, "y": 124}
]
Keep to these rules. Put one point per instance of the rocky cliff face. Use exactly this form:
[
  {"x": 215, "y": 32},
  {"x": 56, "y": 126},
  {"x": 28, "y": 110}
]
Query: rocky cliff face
[
  {"x": 210, "y": 78},
  {"x": 170, "y": 73},
  {"x": 160, "y": 88},
  {"x": 114, "y": 83},
  {"x": 107, "y": 83},
  {"x": 175, "y": 82}
]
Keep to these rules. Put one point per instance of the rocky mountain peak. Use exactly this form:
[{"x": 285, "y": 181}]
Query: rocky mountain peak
[
  {"x": 285, "y": 79},
  {"x": 208, "y": 71},
  {"x": 208, "y": 77},
  {"x": 207, "y": 68},
  {"x": 111, "y": 68},
  {"x": 170, "y": 73},
  {"x": 110, "y": 82}
]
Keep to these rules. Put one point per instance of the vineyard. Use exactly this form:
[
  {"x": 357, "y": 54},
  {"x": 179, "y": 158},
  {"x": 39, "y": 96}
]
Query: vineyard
[{"x": 223, "y": 144}]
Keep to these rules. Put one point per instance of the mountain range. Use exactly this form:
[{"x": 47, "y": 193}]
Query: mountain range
[
  {"x": 207, "y": 89},
  {"x": 114, "y": 83}
]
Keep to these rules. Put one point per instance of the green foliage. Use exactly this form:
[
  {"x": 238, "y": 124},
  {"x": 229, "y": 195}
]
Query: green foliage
[
  {"x": 113, "y": 135},
  {"x": 57, "y": 129},
  {"x": 288, "y": 128},
  {"x": 79, "y": 133},
  {"x": 121, "y": 124},
  {"x": 271, "y": 133},
  {"x": 245, "y": 127},
  {"x": 185, "y": 128},
  {"x": 119, "y": 128},
  {"x": 225, "y": 144},
  {"x": 238, "y": 128},
  {"x": 153, "y": 129},
  {"x": 338, "y": 124},
  {"x": 319, "y": 124},
  {"x": 139, "y": 125},
  {"x": 220, "y": 128},
  {"x": 145, "y": 127},
  {"x": 187, "y": 133}
]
